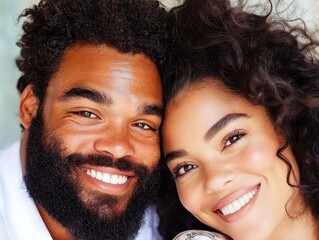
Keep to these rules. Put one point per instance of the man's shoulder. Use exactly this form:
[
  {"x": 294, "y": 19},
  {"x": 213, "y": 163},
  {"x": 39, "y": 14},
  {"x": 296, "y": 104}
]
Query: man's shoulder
[
  {"x": 10, "y": 164},
  {"x": 7, "y": 166},
  {"x": 19, "y": 217},
  {"x": 12, "y": 150},
  {"x": 150, "y": 228}
]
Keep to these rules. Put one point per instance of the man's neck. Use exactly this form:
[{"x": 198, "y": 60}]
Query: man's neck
[{"x": 57, "y": 231}]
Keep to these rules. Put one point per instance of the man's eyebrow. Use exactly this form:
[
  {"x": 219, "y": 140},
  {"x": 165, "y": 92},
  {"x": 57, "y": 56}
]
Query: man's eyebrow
[
  {"x": 91, "y": 94},
  {"x": 153, "y": 109},
  {"x": 175, "y": 154},
  {"x": 218, "y": 126}
]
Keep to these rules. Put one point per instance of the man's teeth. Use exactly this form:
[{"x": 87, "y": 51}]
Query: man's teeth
[
  {"x": 238, "y": 204},
  {"x": 105, "y": 177}
]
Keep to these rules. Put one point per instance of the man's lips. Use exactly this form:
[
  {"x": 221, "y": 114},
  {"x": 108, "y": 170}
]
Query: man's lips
[{"x": 235, "y": 202}]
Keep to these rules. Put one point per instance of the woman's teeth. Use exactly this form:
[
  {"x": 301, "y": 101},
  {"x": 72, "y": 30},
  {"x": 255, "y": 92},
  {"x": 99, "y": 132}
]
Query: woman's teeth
[{"x": 238, "y": 204}]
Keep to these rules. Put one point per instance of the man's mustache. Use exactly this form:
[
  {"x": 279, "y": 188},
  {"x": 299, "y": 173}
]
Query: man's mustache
[{"x": 123, "y": 164}]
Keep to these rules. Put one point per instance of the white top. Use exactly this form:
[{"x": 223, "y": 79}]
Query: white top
[{"x": 19, "y": 217}]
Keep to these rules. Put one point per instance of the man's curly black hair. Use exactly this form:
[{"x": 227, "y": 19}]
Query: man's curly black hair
[
  {"x": 265, "y": 59},
  {"x": 130, "y": 26}
]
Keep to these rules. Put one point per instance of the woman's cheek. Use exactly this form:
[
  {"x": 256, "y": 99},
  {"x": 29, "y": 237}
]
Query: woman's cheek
[
  {"x": 189, "y": 196},
  {"x": 258, "y": 157}
]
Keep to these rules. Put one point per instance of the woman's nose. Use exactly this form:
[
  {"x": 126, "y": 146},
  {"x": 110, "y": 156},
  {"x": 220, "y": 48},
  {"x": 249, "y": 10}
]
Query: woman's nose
[{"x": 219, "y": 179}]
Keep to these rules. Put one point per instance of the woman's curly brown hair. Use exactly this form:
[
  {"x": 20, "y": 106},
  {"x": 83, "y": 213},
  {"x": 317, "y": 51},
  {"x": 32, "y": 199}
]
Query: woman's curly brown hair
[
  {"x": 263, "y": 58},
  {"x": 131, "y": 26}
]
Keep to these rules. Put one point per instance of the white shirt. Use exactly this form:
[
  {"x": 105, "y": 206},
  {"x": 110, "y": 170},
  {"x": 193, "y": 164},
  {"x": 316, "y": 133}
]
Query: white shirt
[{"x": 19, "y": 217}]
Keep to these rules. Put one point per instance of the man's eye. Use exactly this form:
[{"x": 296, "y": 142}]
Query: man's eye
[
  {"x": 144, "y": 126},
  {"x": 86, "y": 114}
]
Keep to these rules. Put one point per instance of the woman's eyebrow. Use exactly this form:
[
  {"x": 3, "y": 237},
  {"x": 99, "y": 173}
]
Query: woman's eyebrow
[
  {"x": 220, "y": 124},
  {"x": 175, "y": 154}
]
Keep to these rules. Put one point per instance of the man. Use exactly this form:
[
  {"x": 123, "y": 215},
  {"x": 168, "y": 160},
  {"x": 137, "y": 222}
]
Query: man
[{"x": 91, "y": 107}]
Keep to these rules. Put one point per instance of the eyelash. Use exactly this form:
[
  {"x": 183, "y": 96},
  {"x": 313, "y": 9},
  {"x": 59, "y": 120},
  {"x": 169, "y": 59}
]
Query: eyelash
[
  {"x": 232, "y": 138},
  {"x": 86, "y": 114},
  {"x": 143, "y": 126},
  {"x": 176, "y": 175}
]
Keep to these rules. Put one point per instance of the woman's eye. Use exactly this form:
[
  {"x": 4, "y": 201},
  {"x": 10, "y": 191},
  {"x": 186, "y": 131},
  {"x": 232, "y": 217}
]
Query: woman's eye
[
  {"x": 86, "y": 114},
  {"x": 181, "y": 170},
  {"x": 234, "y": 137}
]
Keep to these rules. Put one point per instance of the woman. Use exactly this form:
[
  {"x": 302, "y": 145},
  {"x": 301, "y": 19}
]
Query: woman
[{"x": 241, "y": 131}]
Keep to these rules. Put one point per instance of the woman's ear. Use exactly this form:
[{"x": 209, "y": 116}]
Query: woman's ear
[{"x": 29, "y": 104}]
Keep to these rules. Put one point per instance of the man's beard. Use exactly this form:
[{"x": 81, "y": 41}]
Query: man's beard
[{"x": 52, "y": 183}]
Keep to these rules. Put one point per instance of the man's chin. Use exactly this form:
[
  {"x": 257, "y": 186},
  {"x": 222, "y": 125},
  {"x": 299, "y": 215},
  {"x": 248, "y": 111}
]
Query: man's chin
[
  {"x": 104, "y": 197},
  {"x": 105, "y": 206}
]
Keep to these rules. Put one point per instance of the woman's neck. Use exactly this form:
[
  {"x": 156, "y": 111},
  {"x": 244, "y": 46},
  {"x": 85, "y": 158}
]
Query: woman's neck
[{"x": 303, "y": 227}]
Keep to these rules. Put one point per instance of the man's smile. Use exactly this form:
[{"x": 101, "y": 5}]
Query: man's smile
[
  {"x": 107, "y": 180},
  {"x": 106, "y": 177}
]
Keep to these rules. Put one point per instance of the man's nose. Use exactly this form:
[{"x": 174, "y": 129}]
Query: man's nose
[{"x": 116, "y": 141}]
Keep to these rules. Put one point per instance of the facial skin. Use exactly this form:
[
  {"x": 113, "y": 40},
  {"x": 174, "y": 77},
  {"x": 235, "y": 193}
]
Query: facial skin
[
  {"x": 222, "y": 152},
  {"x": 100, "y": 119}
]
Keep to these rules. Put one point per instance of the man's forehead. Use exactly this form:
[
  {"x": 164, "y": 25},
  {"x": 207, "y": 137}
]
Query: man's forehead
[{"x": 106, "y": 70}]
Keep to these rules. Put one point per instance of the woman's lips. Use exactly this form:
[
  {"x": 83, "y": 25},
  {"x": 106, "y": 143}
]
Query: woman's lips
[{"x": 229, "y": 206}]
